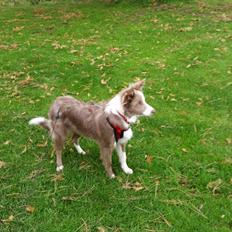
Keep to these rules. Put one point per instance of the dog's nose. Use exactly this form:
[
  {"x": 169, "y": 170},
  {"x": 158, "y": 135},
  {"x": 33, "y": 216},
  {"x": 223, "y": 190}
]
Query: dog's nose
[{"x": 153, "y": 111}]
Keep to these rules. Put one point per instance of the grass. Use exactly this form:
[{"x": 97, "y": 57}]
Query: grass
[{"x": 181, "y": 157}]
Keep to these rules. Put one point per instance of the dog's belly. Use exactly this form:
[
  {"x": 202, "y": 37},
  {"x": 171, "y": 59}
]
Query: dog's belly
[{"x": 127, "y": 135}]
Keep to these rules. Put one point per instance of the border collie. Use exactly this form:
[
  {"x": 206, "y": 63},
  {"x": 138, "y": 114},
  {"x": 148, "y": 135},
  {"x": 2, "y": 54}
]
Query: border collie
[{"x": 109, "y": 124}]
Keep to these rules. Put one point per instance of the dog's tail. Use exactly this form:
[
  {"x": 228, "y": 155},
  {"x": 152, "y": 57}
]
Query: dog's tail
[{"x": 41, "y": 121}]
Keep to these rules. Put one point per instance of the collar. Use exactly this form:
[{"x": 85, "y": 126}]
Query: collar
[{"x": 123, "y": 117}]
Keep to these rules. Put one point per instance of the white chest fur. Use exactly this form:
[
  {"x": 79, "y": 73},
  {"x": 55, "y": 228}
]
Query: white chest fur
[{"x": 127, "y": 135}]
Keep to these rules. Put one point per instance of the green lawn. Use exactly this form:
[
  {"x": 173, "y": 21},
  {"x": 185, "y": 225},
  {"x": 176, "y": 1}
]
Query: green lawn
[{"x": 182, "y": 157}]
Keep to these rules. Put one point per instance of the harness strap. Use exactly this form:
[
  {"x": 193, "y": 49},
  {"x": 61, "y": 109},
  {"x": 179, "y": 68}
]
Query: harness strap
[{"x": 118, "y": 131}]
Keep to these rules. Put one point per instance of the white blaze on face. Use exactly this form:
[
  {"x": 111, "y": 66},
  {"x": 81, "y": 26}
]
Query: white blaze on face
[{"x": 149, "y": 110}]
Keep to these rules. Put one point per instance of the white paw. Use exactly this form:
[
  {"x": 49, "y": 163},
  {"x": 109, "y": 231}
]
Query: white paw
[
  {"x": 112, "y": 176},
  {"x": 82, "y": 152},
  {"x": 127, "y": 170},
  {"x": 79, "y": 149},
  {"x": 59, "y": 168}
]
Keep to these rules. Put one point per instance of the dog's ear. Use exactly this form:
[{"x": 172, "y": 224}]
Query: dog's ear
[
  {"x": 139, "y": 85},
  {"x": 128, "y": 96}
]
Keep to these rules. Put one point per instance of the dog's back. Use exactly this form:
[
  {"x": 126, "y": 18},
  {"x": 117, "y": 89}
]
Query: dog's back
[{"x": 85, "y": 119}]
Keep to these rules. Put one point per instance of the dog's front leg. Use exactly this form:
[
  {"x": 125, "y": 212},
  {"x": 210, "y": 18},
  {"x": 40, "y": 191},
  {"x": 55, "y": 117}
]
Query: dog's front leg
[
  {"x": 106, "y": 157},
  {"x": 121, "y": 150}
]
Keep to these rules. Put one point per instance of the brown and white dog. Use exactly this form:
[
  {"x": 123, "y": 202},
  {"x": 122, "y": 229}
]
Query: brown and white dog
[{"x": 109, "y": 124}]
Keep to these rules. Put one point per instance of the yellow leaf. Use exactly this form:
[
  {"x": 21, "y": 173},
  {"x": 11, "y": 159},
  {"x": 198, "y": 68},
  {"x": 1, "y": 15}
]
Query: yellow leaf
[
  {"x": 229, "y": 141},
  {"x": 101, "y": 229},
  {"x": 30, "y": 209},
  {"x": 134, "y": 186},
  {"x": 214, "y": 185},
  {"x": 149, "y": 159},
  {"x": 184, "y": 150},
  {"x": 58, "y": 177},
  {"x": 185, "y": 29},
  {"x": 2, "y": 164},
  {"x": 17, "y": 29},
  {"x": 42, "y": 144},
  {"x": 9, "y": 219},
  {"x": 7, "y": 142},
  {"x": 103, "y": 82}
]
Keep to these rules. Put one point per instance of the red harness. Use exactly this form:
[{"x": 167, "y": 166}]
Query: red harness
[{"x": 118, "y": 131}]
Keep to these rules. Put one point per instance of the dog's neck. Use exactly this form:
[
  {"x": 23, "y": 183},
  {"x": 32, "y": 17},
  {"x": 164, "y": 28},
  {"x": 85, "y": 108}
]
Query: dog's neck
[{"x": 114, "y": 106}]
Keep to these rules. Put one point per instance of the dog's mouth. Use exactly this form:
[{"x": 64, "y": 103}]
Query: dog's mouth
[{"x": 149, "y": 111}]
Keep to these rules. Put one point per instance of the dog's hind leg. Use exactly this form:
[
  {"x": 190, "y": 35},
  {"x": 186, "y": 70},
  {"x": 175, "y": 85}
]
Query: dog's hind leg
[
  {"x": 59, "y": 134},
  {"x": 106, "y": 157},
  {"x": 75, "y": 139},
  {"x": 121, "y": 150},
  {"x": 58, "y": 145}
]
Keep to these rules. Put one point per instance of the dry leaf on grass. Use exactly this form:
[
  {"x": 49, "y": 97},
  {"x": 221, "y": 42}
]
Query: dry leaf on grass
[
  {"x": 229, "y": 141},
  {"x": 30, "y": 209},
  {"x": 227, "y": 161},
  {"x": 149, "y": 159},
  {"x": 8, "y": 47},
  {"x": 26, "y": 81},
  {"x": 101, "y": 229},
  {"x": 56, "y": 45},
  {"x": 17, "y": 29},
  {"x": 84, "y": 165},
  {"x": 184, "y": 150},
  {"x": 57, "y": 178},
  {"x": 9, "y": 219},
  {"x": 69, "y": 198},
  {"x": 2, "y": 164},
  {"x": 134, "y": 186},
  {"x": 71, "y": 15},
  {"x": 35, "y": 173},
  {"x": 103, "y": 82},
  {"x": 185, "y": 29},
  {"x": 42, "y": 144},
  {"x": 215, "y": 185},
  {"x": 7, "y": 142}
]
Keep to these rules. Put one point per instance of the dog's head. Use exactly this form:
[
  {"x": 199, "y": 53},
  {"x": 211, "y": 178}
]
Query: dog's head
[{"x": 133, "y": 101}]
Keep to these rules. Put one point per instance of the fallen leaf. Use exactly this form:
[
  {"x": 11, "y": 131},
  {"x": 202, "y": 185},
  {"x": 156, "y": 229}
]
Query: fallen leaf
[
  {"x": 149, "y": 159},
  {"x": 185, "y": 29},
  {"x": 2, "y": 164},
  {"x": 155, "y": 20},
  {"x": 56, "y": 45},
  {"x": 229, "y": 141},
  {"x": 3, "y": 47},
  {"x": 17, "y": 29},
  {"x": 214, "y": 185},
  {"x": 13, "y": 46},
  {"x": 57, "y": 178},
  {"x": 7, "y": 142},
  {"x": 84, "y": 165},
  {"x": 71, "y": 15},
  {"x": 211, "y": 170},
  {"x": 69, "y": 198},
  {"x": 9, "y": 219},
  {"x": 30, "y": 209},
  {"x": 134, "y": 186},
  {"x": 35, "y": 173},
  {"x": 227, "y": 161},
  {"x": 42, "y": 144},
  {"x": 101, "y": 229},
  {"x": 184, "y": 150},
  {"x": 26, "y": 81},
  {"x": 103, "y": 82}
]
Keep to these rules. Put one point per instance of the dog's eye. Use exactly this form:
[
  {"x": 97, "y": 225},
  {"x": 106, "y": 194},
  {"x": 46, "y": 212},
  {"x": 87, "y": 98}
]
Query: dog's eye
[{"x": 140, "y": 102}]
